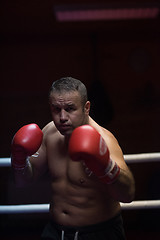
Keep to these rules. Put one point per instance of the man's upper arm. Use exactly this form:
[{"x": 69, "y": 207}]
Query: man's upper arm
[{"x": 39, "y": 162}]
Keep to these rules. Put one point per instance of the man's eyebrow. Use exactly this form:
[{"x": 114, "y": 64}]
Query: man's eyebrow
[
  {"x": 53, "y": 104},
  {"x": 67, "y": 104},
  {"x": 71, "y": 104}
]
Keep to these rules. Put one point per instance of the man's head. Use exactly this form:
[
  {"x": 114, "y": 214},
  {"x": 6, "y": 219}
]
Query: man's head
[
  {"x": 68, "y": 84},
  {"x": 69, "y": 104}
]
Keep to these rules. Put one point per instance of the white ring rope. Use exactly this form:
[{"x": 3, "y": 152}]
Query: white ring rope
[
  {"x": 44, "y": 208},
  {"x": 135, "y": 205},
  {"x": 129, "y": 158},
  {"x": 142, "y": 157},
  {"x": 27, "y": 208},
  {"x": 5, "y": 162}
]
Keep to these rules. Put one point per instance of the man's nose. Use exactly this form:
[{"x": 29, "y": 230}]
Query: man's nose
[{"x": 63, "y": 115}]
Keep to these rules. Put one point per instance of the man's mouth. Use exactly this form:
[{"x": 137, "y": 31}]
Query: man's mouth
[{"x": 64, "y": 126}]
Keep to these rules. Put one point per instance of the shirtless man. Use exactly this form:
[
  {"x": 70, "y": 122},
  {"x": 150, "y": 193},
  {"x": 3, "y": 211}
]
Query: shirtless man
[{"x": 87, "y": 183}]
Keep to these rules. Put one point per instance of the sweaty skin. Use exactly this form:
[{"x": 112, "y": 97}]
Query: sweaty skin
[{"x": 78, "y": 197}]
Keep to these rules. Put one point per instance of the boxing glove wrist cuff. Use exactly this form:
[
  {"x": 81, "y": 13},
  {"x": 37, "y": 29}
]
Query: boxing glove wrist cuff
[
  {"x": 18, "y": 166},
  {"x": 111, "y": 172}
]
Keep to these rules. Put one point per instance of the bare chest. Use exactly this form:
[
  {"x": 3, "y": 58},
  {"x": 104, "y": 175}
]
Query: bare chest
[{"x": 61, "y": 167}]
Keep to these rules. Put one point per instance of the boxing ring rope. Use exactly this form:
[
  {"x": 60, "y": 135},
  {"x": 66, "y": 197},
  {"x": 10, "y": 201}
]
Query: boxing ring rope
[
  {"x": 44, "y": 208},
  {"x": 129, "y": 158},
  {"x": 142, "y": 157}
]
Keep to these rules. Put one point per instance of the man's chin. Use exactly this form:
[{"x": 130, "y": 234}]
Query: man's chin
[{"x": 65, "y": 132}]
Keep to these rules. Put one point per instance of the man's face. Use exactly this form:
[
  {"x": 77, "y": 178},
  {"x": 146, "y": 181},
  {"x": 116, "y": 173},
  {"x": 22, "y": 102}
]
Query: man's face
[{"x": 67, "y": 111}]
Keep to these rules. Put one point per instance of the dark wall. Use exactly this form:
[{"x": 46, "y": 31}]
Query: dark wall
[{"x": 125, "y": 73}]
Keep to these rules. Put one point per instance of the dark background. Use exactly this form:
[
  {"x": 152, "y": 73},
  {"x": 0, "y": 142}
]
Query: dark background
[{"x": 118, "y": 60}]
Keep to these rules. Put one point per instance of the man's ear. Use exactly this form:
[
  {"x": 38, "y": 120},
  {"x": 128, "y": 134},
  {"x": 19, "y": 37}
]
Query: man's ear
[{"x": 87, "y": 107}]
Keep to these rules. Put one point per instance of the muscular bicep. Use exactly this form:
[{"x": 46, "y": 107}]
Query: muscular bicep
[{"x": 39, "y": 162}]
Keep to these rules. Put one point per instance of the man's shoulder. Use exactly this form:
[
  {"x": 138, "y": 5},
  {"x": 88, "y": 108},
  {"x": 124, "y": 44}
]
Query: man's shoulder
[
  {"x": 99, "y": 128},
  {"x": 105, "y": 133},
  {"x": 49, "y": 129}
]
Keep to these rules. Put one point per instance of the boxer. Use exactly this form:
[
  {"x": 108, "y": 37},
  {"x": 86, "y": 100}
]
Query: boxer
[{"x": 89, "y": 177}]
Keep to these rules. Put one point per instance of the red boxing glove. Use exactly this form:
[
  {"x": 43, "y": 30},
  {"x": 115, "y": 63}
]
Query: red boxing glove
[
  {"x": 87, "y": 145},
  {"x": 25, "y": 143}
]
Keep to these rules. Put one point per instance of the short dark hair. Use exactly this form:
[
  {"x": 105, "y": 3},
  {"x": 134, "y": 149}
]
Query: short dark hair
[{"x": 69, "y": 84}]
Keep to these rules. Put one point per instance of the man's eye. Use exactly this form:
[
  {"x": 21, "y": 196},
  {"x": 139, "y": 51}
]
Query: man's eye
[
  {"x": 69, "y": 109},
  {"x": 55, "y": 109}
]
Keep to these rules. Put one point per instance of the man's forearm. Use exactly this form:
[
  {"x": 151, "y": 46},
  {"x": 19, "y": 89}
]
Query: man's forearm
[
  {"x": 123, "y": 189},
  {"x": 23, "y": 176}
]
